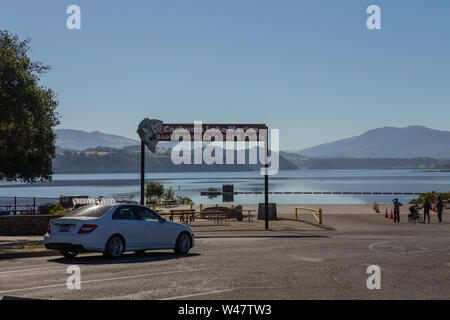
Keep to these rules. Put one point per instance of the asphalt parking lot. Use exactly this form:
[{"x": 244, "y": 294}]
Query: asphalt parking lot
[{"x": 319, "y": 264}]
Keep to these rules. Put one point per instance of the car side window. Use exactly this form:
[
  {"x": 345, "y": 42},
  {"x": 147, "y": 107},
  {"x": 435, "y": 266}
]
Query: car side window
[
  {"x": 124, "y": 213},
  {"x": 146, "y": 214}
]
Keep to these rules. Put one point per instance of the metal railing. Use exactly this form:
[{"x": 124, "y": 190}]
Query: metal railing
[
  {"x": 24, "y": 205},
  {"x": 313, "y": 211}
]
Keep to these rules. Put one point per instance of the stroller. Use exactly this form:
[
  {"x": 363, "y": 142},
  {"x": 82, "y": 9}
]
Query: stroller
[{"x": 414, "y": 216}]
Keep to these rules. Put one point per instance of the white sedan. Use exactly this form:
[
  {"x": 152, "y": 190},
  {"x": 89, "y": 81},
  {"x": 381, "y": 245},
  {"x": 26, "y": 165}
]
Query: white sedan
[{"x": 114, "y": 229}]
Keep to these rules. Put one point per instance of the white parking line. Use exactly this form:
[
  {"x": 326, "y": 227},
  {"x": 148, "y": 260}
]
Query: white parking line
[
  {"x": 422, "y": 250},
  {"x": 372, "y": 246},
  {"x": 197, "y": 294},
  {"x": 26, "y": 270},
  {"x": 137, "y": 260},
  {"x": 99, "y": 280}
]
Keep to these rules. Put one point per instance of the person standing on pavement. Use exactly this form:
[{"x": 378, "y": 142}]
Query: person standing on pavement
[
  {"x": 439, "y": 208},
  {"x": 426, "y": 210},
  {"x": 397, "y": 205}
]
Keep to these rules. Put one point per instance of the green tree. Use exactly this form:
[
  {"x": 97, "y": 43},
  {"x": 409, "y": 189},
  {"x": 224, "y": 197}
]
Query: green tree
[
  {"x": 168, "y": 194},
  {"x": 28, "y": 114},
  {"x": 184, "y": 200},
  {"x": 154, "y": 191},
  {"x": 212, "y": 189},
  {"x": 187, "y": 200}
]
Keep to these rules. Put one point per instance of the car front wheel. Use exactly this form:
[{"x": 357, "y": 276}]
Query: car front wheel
[
  {"x": 183, "y": 244},
  {"x": 114, "y": 247}
]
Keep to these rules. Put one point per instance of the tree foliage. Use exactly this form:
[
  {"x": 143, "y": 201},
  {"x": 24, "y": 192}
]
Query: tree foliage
[
  {"x": 27, "y": 114},
  {"x": 168, "y": 194},
  {"x": 431, "y": 196},
  {"x": 154, "y": 192},
  {"x": 184, "y": 200}
]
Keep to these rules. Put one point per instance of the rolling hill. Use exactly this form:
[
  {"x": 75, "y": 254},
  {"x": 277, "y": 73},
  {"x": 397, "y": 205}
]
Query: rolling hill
[
  {"x": 81, "y": 140},
  {"x": 387, "y": 142}
]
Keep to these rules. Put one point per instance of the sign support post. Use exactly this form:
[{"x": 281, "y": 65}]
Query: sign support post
[
  {"x": 142, "y": 172},
  {"x": 266, "y": 182}
]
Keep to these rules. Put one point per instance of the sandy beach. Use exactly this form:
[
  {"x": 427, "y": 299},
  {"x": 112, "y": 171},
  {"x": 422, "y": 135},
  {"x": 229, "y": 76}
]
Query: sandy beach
[{"x": 288, "y": 210}]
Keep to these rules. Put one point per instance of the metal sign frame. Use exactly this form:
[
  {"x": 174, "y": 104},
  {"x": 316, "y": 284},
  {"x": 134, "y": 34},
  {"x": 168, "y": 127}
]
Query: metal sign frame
[{"x": 167, "y": 129}]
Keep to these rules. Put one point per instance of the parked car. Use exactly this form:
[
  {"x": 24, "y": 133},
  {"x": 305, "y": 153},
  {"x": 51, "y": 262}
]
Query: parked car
[{"x": 114, "y": 229}]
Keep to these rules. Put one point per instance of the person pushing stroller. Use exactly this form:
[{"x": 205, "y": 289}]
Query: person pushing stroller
[{"x": 414, "y": 216}]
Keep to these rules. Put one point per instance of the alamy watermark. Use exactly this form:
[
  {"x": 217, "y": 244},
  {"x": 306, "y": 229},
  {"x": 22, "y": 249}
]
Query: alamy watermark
[
  {"x": 74, "y": 280},
  {"x": 73, "y": 21},
  {"x": 374, "y": 280},
  {"x": 374, "y": 20},
  {"x": 226, "y": 147}
]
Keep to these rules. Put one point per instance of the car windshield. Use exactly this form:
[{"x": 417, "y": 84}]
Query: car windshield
[{"x": 91, "y": 210}]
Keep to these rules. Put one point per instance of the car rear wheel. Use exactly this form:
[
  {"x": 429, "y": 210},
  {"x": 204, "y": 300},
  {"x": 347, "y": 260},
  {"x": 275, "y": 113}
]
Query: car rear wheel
[
  {"x": 69, "y": 253},
  {"x": 114, "y": 247},
  {"x": 183, "y": 244}
]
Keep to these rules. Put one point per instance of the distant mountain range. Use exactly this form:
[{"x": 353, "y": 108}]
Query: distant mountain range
[
  {"x": 110, "y": 160},
  {"x": 387, "y": 142},
  {"x": 128, "y": 159},
  {"x": 384, "y": 148},
  {"x": 81, "y": 140},
  {"x": 337, "y": 163}
]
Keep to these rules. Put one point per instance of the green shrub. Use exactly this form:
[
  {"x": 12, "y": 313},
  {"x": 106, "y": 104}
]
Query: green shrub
[
  {"x": 184, "y": 200},
  {"x": 431, "y": 196},
  {"x": 58, "y": 210}
]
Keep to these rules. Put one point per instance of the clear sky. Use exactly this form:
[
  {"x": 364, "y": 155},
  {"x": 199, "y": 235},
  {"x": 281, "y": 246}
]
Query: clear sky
[{"x": 309, "y": 68}]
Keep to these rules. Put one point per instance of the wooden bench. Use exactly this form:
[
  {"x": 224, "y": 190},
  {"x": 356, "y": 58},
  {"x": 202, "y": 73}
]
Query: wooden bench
[
  {"x": 169, "y": 203},
  {"x": 216, "y": 216},
  {"x": 228, "y": 213},
  {"x": 186, "y": 215}
]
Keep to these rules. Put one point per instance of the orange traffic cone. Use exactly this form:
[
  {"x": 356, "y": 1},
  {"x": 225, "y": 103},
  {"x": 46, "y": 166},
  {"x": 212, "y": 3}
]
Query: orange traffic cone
[
  {"x": 392, "y": 215},
  {"x": 375, "y": 206},
  {"x": 386, "y": 214},
  {"x": 434, "y": 208}
]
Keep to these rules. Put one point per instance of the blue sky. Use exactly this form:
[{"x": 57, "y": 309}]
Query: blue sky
[{"x": 309, "y": 68}]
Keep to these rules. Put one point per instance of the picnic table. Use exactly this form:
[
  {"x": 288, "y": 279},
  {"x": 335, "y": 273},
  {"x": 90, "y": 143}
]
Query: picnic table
[
  {"x": 249, "y": 216},
  {"x": 215, "y": 215},
  {"x": 169, "y": 203},
  {"x": 186, "y": 215}
]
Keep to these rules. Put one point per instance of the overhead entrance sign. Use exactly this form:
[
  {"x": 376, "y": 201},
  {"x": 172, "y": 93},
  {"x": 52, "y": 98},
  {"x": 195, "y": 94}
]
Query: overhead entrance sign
[{"x": 151, "y": 131}]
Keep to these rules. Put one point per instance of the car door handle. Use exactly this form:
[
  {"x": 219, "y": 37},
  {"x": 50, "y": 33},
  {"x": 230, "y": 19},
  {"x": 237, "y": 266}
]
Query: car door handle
[{"x": 123, "y": 223}]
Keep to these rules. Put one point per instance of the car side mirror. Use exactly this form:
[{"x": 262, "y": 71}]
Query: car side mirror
[{"x": 162, "y": 220}]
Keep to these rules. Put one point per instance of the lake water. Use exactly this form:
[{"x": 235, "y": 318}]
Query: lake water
[{"x": 192, "y": 183}]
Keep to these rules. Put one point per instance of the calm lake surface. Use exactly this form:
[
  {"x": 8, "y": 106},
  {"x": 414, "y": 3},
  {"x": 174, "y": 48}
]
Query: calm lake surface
[{"x": 192, "y": 183}]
